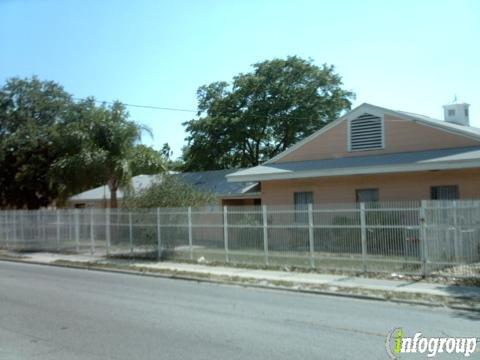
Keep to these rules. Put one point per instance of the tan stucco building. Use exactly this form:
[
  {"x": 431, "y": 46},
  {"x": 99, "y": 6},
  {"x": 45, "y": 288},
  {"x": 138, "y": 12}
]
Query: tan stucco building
[{"x": 376, "y": 154}]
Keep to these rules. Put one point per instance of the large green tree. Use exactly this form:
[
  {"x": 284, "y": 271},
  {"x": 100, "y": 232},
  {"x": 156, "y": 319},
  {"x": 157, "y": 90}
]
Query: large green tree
[
  {"x": 261, "y": 113},
  {"x": 52, "y": 147},
  {"x": 32, "y": 113},
  {"x": 147, "y": 161}
]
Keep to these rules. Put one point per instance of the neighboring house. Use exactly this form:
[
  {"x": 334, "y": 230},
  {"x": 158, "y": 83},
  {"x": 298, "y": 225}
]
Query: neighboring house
[
  {"x": 375, "y": 154},
  {"x": 241, "y": 193},
  {"x": 228, "y": 193}
]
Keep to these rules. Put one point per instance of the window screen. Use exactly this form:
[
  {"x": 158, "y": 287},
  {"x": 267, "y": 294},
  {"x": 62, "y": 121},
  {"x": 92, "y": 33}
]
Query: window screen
[
  {"x": 367, "y": 195},
  {"x": 447, "y": 192},
  {"x": 301, "y": 201}
]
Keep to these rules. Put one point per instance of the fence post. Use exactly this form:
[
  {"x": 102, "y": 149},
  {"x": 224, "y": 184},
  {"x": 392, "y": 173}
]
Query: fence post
[
  {"x": 311, "y": 235},
  {"x": 39, "y": 228},
  {"x": 130, "y": 232},
  {"x": 265, "y": 232},
  {"x": 8, "y": 228},
  {"x": 107, "y": 230},
  {"x": 15, "y": 240},
  {"x": 77, "y": 229},
  {"x": 190, "y": 240},
  {"x": 363, "y": 224},
  {"x": 456, "y": 244},
  {"x": 22, "y": 227},
  {"x": 423, "y": 237},
  {"x": 3, "y": 227},
  {"x": 58, "y": 229},
  {"x": 225, "y": 232},
  {"x": 159, "y": 237},
  {"x": 44, "y": 228},
  {"x": 92, "y": 233}
]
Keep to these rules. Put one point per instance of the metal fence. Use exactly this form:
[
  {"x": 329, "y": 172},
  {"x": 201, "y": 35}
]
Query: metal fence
[{"x": 420, "y": 238}]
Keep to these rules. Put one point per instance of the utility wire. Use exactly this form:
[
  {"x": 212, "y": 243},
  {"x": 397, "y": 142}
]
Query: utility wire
[
  {"x": 175, "y": 109},
  {"x": 140, "y": 106}
]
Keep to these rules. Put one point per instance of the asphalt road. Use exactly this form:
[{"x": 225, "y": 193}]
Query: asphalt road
[{"x": 57, "y": 313}]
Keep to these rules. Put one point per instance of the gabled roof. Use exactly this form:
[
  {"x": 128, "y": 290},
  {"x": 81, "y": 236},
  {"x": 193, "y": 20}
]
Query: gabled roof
[
  {"x": 209, "y": 181},
  {"x": 103, "y": 192},
  {"x": 215, "y": 182},
  {"x": 456, "y": 158},
  {"x": 467, "y": 131}
]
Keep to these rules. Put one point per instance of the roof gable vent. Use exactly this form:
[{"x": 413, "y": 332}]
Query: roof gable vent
[{"x": 366, "y": 133}]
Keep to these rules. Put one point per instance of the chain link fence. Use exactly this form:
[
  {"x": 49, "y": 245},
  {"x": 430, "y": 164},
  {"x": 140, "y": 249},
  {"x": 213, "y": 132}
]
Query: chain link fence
[{"x": 418, "y": 238}]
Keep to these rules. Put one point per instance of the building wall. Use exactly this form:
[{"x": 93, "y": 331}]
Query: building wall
[
  {"x": 405, "y": 186},
  {"x": 400, "y": 136}
]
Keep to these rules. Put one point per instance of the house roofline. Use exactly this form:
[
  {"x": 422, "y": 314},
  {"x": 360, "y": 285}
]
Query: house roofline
[
  {"x": 366, "y": 107},
  {"x": 252, "y": 195},
  {"x": 369, "y": 170}
]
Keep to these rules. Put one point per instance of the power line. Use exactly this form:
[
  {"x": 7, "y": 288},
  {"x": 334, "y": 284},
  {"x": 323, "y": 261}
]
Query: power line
[
  {"x": 140, "y": 106},
  {"x": 178, "y": 109}
]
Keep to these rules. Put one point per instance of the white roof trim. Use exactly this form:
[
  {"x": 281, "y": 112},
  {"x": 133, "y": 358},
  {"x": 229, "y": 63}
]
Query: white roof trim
[
  {"x": 379, "y": 111},
  {"x": 252, "y": 195},
  {"x": 289, "y": 174}
]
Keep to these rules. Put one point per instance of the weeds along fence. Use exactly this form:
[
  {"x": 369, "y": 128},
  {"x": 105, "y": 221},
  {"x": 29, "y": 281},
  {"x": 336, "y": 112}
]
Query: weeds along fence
[{"x": 421, "y": 238}]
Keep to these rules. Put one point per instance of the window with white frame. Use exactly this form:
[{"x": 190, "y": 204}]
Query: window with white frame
[
  {"x": 301, "y": 201},
  {"x": 446, "y": 192},
  {"x": 366, "y": 195},
  {"x": 366, "y": 133}
]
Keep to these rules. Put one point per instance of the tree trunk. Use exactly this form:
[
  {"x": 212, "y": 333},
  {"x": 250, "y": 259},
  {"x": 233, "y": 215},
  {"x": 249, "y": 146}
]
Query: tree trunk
[
  {"x": 113, "y": 185},
  {"x": 113, "y": 198}
]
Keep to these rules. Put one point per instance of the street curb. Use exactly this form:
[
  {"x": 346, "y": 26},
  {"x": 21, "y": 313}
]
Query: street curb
[{"x": 245, "y": 283}]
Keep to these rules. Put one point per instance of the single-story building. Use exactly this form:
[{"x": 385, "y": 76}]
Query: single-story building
[
  {"x": 215, "y": 182},
  {"x": 375, "y": 154}
]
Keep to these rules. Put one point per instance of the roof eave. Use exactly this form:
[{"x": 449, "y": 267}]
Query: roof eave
[
  {"x": 252, "y": 195},
  {"x": 431, "y": 166},
  {"x": 375, "y": 109}
]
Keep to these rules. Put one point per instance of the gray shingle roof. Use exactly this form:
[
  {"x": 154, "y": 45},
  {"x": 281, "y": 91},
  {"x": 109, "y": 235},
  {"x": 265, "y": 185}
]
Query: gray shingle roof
[
  {"x": 215, "y": 181},
  {"x": 210, "y": 181},
  {"x": 102, "y": 192},
  {"x": 430, "y": 157}
]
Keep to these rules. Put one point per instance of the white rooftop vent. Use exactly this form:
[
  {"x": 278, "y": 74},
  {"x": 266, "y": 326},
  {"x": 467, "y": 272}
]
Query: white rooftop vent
[{"x": 457, "y": 114}]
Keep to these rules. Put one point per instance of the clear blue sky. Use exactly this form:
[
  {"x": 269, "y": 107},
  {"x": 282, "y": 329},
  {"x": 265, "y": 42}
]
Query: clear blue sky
[{"x": 406, "y": 55}]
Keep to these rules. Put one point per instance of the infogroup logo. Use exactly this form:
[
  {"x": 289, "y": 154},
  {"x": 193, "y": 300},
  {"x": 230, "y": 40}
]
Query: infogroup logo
[{"x": 397, "y": 343}]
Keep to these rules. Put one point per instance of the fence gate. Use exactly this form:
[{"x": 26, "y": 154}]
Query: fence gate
[{"x": 452, "y": 237}]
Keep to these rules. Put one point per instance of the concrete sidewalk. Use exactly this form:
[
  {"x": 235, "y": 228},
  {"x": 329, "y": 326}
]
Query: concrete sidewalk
[{"x": 422, "y": 292}]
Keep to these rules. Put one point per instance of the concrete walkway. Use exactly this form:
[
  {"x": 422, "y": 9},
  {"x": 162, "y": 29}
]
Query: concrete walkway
[
  {"x": 320, "y": 279},
  {"x": 398, "y": 290}
]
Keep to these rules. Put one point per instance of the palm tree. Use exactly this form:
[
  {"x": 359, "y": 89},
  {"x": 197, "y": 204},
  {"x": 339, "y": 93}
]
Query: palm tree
[
  {"x": 117, "y": 136},
  {"x": 102, "y": 148}
]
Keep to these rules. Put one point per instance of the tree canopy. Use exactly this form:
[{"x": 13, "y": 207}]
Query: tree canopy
[
  {"x": 31, "y": 115},
  {"x": 261, "y": 113},
  {"x": 52, "y": 146}
]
